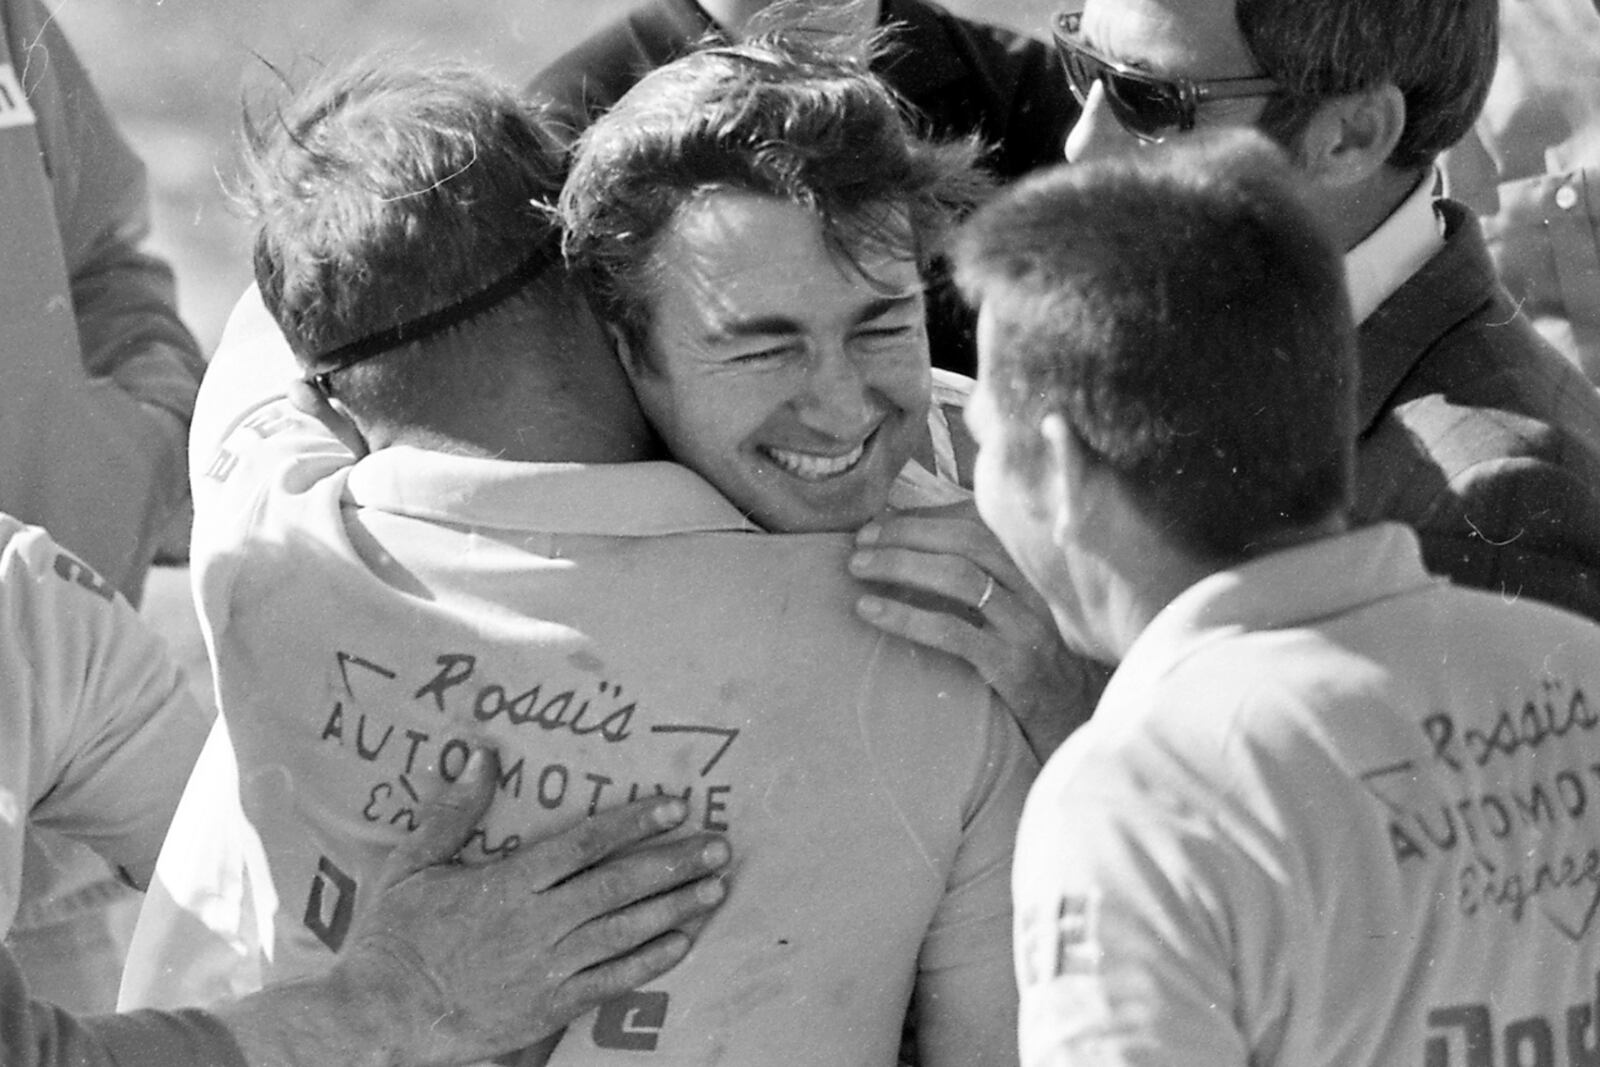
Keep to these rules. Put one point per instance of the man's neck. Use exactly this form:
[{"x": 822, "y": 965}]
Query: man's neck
[
  {"x": 1354, "y": 214},
  {"x": 585, "y": 444},
  {"x": 1148, "y": 573}
]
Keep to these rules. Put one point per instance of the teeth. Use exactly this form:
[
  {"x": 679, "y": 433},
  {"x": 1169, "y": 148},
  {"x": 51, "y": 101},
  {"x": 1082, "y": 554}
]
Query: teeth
[{"x": 813, "y": 467}]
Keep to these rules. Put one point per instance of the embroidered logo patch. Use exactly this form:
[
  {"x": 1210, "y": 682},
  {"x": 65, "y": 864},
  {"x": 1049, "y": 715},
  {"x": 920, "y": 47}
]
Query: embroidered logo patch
[{"x": 14, "y": 109}]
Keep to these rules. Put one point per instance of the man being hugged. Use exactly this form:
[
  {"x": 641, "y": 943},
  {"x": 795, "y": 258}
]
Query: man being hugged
[{"x": 755, "y": 222}]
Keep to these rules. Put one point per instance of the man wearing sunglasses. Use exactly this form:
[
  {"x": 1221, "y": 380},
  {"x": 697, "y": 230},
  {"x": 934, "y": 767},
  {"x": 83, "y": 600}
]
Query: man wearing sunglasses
[{"x": 1472, "y": 429}]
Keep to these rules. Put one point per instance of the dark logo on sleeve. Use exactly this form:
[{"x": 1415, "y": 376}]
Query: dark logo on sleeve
[{"x": 82, "y": 575}]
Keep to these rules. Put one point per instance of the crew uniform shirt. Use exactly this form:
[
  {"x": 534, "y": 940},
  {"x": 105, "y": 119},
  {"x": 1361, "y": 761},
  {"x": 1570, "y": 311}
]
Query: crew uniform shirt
[
  {"x": 616, "y": 631},
  {"x": 1330, "y": 810},
  {"x": 98, "y": 727}
]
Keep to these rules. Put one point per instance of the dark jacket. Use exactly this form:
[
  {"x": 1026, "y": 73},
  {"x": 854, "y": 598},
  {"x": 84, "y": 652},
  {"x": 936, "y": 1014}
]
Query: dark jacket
[
  {"x": 963, "y": 77},
  {"x": 1478, "y": 434}
]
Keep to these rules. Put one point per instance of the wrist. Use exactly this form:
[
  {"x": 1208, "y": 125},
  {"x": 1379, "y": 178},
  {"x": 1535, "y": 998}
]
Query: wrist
[{"x": 332, "y": 1018}]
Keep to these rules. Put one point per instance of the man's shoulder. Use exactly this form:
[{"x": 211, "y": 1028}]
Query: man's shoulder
[{"x": 1468, "y": 407}]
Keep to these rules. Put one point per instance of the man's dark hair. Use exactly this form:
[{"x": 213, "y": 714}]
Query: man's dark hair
[
  {"x": 1440, "y": 54},
  {"x": 786, "y": 115},
  {"x": 385, "y": 193},
  {"x": 1183, "y": 312}
]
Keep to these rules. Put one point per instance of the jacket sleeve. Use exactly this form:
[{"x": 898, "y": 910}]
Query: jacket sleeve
[
  {"x": 36, "y": 1034},
  {"x": 121, "y": 483}
]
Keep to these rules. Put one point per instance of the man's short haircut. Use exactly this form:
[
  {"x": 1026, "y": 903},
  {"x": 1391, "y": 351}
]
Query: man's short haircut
[
  {"x": 785, "y": 115},
  {"x": 385, "y": 193},
  {"x": 1182, "y": 311},
  {"x": 1440, "y": 54}
]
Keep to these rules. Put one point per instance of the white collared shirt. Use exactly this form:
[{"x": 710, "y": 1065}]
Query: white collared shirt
[{"x": 1377, "y": 267}]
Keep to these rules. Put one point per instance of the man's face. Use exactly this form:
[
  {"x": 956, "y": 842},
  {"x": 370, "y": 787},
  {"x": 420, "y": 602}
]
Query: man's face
[
  {"x": 793, "y": 382},
  {"x": 1018, "y": 505},
  {"x": 1194, "y": 39}
]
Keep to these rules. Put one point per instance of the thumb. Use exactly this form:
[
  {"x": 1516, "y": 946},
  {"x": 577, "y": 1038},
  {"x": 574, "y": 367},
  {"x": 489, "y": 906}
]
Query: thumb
[{"x": 446, "y": 822}]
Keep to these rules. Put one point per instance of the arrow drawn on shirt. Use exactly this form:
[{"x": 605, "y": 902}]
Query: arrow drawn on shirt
[
  {"x": 346, "y": 659},
  {"x": 728, "y": 734}
]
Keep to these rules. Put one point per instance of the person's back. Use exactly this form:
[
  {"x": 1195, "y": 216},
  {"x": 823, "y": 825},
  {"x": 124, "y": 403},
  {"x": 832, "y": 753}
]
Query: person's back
[
  {"x": 419, "y": 600},
  {"x": 616, "y": 628},
  {"x": 1331, "y": 808},
  {"x": 1378, "y": 818}
]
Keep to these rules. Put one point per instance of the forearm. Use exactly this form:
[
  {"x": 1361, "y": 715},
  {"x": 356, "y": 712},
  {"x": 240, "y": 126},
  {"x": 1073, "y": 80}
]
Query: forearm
[
  {"x": 324, "y": 1022},
  {"x": 35, "y": 1034}
]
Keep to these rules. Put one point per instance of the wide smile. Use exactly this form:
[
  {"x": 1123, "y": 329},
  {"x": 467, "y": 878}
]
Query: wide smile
[{"x": 812, "y": 467}]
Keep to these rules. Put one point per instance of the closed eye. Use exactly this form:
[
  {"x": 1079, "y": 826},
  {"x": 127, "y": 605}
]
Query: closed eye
[{"x": 763, "y": 355}]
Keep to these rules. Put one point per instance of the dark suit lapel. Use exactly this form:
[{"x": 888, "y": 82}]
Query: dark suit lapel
[{"x": 1449, "y": 289}]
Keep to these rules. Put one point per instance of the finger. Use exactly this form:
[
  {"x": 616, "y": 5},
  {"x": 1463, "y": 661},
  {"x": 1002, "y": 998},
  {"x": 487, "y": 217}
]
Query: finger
[
  {"x": 940, "y": 630},
  {"x": 623, "y": 930},
  {"x": 604, "y": 981},
  {"x": 446, "y": 821},
  {"x": 961, "y": 532},
  {"x": 968, "y": 539},
  {"x": 954, "y": 577},
  {"x": 554, "y": 860},
  {"x": 622, "y": 880}
]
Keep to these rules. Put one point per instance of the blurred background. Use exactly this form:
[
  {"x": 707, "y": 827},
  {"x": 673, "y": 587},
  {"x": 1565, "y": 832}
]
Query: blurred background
[{"x": 174, "y": 72}]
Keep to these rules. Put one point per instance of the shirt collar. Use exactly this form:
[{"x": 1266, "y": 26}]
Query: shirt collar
[
  {"x": 1391, "y": 254},
  {"x": 1281, "y": 590},
  {"x": 612, "y": 499}
]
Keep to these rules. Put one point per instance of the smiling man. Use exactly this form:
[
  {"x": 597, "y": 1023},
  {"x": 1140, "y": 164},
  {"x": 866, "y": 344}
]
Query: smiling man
[
  {"x": 1472, "y": 429},
  {"x": 756, "y": 222},
  {"x": 796, "y": 383},
  {"x": 1332, "y": 810}
]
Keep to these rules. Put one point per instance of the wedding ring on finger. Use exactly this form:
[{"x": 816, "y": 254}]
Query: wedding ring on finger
[{"x": 988, "y": 591}]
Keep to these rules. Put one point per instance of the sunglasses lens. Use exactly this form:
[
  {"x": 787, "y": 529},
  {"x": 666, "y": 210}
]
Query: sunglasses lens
[{"x": 1147, "y": 109}]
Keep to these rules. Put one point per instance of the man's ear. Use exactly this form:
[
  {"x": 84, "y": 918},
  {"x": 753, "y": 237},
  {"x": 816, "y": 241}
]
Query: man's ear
[
  {"x": 1351, "y": 137},
  {"x": 310, "y": 400},
  {"x": 631, "y": 356},
  {"x": 1063, "y": 490}
]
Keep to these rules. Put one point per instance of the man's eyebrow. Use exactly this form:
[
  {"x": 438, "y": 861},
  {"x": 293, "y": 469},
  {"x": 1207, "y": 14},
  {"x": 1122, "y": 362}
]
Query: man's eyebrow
[
  {"x": 764, "y": 326},
  {"x": 771, "y": 325},
  {"x": 887, "y": 304}
]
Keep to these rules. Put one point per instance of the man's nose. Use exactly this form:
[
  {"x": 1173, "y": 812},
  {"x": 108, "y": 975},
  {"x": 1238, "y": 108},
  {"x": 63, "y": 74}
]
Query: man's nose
[
  {"x": 1097, "y": 134},
  {"x": 837, "y": 401}
]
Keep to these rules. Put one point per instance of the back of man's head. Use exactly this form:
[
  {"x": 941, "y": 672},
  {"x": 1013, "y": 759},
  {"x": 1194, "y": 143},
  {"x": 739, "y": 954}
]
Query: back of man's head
[
  {"x": 395, "y": 202},
  {"x": 794, "y": 116},
  {"x": 1184, "y": 314},
  {"x": 1440, "y": 54}
]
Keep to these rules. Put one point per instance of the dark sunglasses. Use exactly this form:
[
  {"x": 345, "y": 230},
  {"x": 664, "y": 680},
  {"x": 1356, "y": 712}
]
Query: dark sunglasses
[{"x": 1148, "y": 105}]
